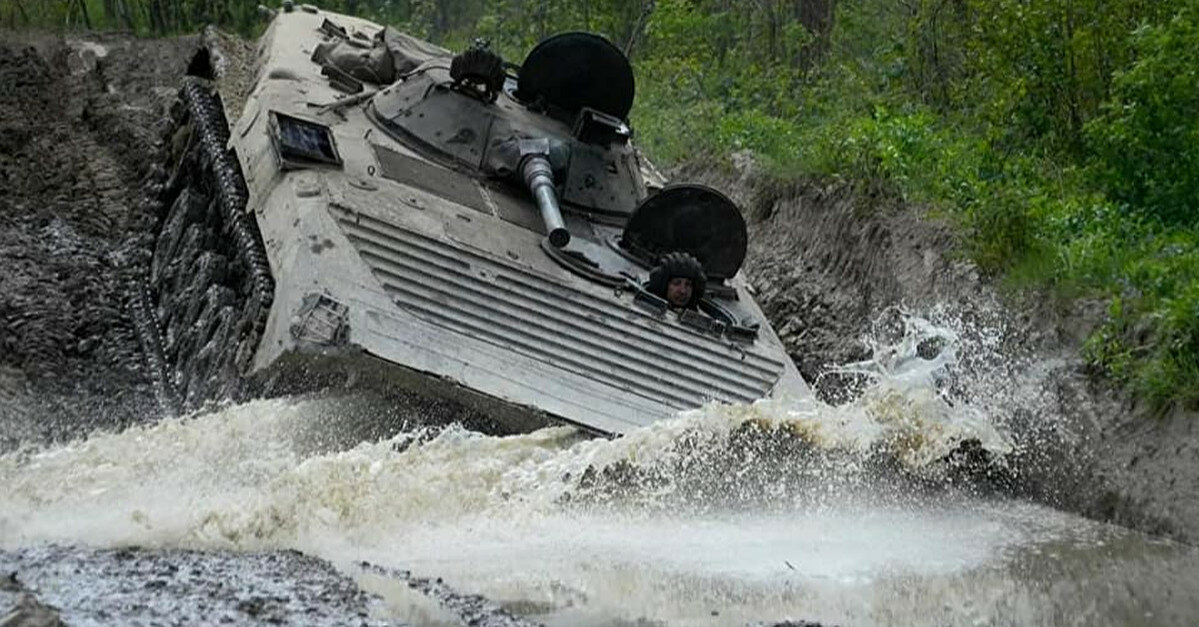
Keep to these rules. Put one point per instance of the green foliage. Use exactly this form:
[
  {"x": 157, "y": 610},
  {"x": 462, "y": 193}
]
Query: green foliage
[
  {"x": 1151, "y": 340},
  {"x": 1146, "y": 142},
  {"x": 139, "y": 16},
  {"x": 1062, "y": 137},
  {"x": 1045, "y": 67}
]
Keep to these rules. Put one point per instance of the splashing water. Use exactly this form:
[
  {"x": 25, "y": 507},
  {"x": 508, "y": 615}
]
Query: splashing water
[{"x": 724, "y": 515}]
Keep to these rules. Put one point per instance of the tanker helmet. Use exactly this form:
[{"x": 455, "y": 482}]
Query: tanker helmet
[{"x": 678, "y": 265}]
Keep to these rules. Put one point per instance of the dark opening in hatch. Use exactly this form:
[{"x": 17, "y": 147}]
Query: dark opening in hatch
[{"x": 303, "y": 143}]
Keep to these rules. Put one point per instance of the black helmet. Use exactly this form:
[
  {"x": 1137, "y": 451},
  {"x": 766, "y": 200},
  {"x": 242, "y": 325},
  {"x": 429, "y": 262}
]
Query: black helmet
[{"x": 674, "y": 265}]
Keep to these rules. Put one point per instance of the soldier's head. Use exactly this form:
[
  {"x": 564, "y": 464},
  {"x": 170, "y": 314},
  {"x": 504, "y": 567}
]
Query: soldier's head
[
  {"x": 678, "y": 291},
  {"x": 678, "y": 278}
]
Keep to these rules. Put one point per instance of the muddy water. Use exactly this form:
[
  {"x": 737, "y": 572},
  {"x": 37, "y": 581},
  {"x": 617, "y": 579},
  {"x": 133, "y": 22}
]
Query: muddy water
[
  {"x": 506, "y": 517},
  {"x": 725, "y": 515}
]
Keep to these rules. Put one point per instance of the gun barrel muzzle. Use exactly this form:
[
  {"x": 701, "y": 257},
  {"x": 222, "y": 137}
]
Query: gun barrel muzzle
[{"x": 539, "y": 177}]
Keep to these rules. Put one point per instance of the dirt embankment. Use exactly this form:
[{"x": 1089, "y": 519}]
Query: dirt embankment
[
  {"x": 78, "y": 120},
  {"x": 827, "y": 260}
]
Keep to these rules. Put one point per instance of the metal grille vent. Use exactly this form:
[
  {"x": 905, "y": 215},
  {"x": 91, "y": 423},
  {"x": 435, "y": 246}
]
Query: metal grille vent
[{"x": 523, "y": 312}]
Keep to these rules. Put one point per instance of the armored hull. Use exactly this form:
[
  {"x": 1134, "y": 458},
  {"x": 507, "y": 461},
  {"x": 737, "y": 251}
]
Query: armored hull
[{"x": 382, "y": 212}]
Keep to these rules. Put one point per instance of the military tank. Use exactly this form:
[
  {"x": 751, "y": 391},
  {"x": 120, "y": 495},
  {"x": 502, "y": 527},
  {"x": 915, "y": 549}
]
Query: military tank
[{"x": 383, "y": 212}]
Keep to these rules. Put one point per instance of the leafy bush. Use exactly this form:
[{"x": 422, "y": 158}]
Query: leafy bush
[
  {"x": 1151, "y": 339},
  {"x": 1146, "y": 142}
]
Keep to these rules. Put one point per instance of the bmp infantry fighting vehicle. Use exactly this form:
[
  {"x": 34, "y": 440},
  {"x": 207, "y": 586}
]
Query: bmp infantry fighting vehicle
[{"x": 384, "y": 212}]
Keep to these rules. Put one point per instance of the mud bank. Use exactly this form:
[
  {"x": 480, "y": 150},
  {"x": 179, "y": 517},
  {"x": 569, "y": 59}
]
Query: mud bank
[
  {"x": 830, "y": 261},
  {"x": 55, "y": 585},
  {"x": 76, "y": 122},
  {"x": 84, "y": 587}
]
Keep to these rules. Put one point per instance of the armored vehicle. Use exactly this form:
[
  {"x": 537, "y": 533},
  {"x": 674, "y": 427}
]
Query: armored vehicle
[{"x": 384, "y": 212}]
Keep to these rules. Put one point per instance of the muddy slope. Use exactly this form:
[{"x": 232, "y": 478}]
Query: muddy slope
[
  {"x": 828, "y": 260},
  {"x": 77, "y": 121}
]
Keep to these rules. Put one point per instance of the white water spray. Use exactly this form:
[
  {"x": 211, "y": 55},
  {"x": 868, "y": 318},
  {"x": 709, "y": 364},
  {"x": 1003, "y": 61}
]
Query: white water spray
[{"x": 577, "y": 531}]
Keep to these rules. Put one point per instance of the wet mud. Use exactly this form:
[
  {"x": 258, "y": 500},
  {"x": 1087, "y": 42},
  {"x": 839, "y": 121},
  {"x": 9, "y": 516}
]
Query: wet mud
[
  {"x": 76, "y": 123},
  {"x": 176, "y": 587},
  {"x": 52, "y": 585}
]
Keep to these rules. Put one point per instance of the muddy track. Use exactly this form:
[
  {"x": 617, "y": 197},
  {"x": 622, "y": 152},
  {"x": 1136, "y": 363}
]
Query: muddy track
[
  {"x": 175, "y": 587},
  {"x": 77, "y": 123}
]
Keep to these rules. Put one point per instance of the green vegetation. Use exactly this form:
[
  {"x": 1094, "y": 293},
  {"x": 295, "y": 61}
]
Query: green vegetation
[{"x": 1062, "y": 135}]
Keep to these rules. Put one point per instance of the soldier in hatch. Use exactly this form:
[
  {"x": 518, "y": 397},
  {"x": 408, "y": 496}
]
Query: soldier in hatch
[{"x": 679, "y": 278}]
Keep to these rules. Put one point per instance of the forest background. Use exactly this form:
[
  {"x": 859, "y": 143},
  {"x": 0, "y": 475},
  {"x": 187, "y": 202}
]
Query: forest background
[{"x": 1061, "y": 136}]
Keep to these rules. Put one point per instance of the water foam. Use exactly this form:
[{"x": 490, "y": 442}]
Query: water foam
[
  {"x": 749, "y": 511},
  {"x": 270, "y": 473}
]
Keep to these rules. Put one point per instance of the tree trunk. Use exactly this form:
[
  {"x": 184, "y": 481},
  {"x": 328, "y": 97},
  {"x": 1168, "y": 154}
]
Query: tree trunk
[
  {"x": 125, "y": 13},
  {"x": 87, "y": 21},
  {"x": 638, "y": 30},
  {"x": 1073, "y": 87},
  {"x": 542, "y": 11},
  {"x": 20, "y": 9},
  {"x": 817, "y": 17},
  {"x": 155, "y": 15}
]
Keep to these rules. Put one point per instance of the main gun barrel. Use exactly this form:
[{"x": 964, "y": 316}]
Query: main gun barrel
[{"x": 539, "y": 177}]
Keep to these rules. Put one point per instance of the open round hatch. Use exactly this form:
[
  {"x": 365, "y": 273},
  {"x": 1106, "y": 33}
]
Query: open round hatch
[
  {"x": 575, "y": 70},
  {"x": 694, "y": 219}
]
